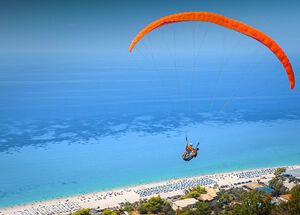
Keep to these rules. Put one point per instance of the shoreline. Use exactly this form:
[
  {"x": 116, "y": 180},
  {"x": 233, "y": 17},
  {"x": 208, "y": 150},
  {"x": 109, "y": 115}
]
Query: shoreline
[
  {"x": 132, "y": 193},
  {"x": 135, "y": 185}
]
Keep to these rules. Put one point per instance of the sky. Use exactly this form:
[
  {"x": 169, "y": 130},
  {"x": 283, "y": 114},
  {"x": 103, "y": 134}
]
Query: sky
[{"x": 104, "y": 28}]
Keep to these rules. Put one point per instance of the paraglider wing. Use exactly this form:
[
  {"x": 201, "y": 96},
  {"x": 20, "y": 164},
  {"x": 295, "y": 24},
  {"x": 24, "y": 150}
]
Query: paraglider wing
[{"x": 227, "y": 23}]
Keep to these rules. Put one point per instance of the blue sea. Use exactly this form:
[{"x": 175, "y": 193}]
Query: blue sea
[{"x": 70, "y": 128}]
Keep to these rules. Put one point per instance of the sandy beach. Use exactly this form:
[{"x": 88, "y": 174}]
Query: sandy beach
[{"x": 112, "y": 198}]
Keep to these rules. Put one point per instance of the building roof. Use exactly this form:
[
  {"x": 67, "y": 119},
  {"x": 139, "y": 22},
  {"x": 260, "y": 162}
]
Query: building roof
[
  {"x": 286, "y": 197},
  {"x": 212, "y": 191},
  {"x": 253, "y": 185},
  {"x": 210, "y": 194},
  {"x": 294, "y": 172},
  {"x": 205, "y": 197},
  {"x": 185, "y": 202}
]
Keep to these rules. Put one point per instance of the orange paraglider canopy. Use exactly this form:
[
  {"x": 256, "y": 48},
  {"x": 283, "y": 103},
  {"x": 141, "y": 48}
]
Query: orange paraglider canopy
[{"x": 227, "y": 23}]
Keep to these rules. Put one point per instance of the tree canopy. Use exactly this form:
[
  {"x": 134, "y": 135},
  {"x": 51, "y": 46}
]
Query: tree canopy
[
  {"x": 253, "y": 203},
  {"x": 82, "y": 212},
  {"x": 155, "y": 205},
  {"x": 194, "y": 192},
  {"x": 294, "y": 203}
]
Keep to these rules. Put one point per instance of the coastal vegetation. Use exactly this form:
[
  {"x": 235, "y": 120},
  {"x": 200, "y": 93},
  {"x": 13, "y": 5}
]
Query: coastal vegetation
[
  {"x": 109, "y": 212},
  {"x": 127, "y": 206},
  {"x": 226, "y": 197},
  {"x": 279, "y": 171},
  {"x": 194, "y": 192},
  {"x": 292, "y": 207},
  {"x": 201, "y": 208},
  {"x": 84, "y": 211},
  {"x": 294, "y": 203},
  {"x": 253, "y": 202},
  {"x": 233, "y": 201},
  {"x": 155, "y": 205},
  {"x": 277, "y": 185}
]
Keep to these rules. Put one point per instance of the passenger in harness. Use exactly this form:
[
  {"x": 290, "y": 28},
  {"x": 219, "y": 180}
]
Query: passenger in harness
[{"x": 190, "y": 151}]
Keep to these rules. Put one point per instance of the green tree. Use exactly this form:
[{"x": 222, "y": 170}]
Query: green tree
[
  {"x": 155, "y": 205},
  {"x": 279, "y": 171},
  {"x": 191, "y": 194},
  {"x": 188, "y": 211},
  {"x": 108, "y": 212},
  {"x": 82, "y": 212},
  {"x": 127, "y": 207},
  {"x": 253, "y": 203},
  {"x": 142, "y": 208},
  {"x": 168, "y": 210},
  {"x": 277, "y": 185},
  {"x": 203, "y": 208},
  {"x": 194, "y": 192},
  {"x": 294, "y": 203},
  {"x": 281, "y": 209},
  {"x": 225, "y": 198},
  {"x": 231, "y": 194}
]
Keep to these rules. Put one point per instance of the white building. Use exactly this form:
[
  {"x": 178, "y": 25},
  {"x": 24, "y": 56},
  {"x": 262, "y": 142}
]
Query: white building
[{"x": 185, "y": 203}]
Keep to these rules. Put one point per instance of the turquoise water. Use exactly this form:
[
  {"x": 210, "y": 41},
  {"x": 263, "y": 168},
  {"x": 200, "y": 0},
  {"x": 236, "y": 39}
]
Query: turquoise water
[
  {"x": 77, "y": 165},
  {"x": 68, "y": 130},
  {"x": 266, "y": 189}
]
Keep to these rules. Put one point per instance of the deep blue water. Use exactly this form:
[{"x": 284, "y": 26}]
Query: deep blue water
[{"x": 72, "y": 129}]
